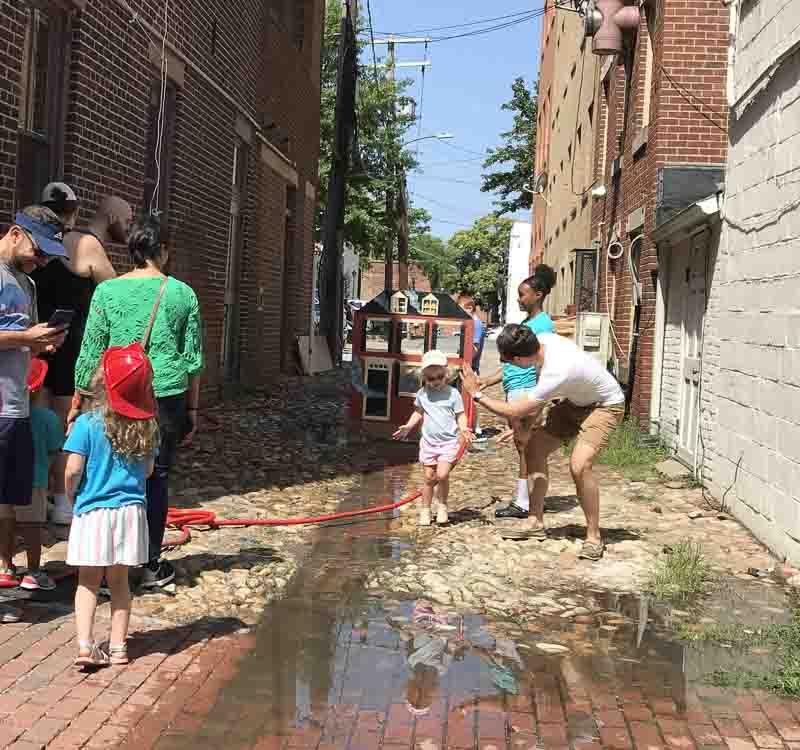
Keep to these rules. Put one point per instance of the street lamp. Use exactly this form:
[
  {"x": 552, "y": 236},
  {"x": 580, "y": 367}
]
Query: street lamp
[{"x": 437, "y": 136}]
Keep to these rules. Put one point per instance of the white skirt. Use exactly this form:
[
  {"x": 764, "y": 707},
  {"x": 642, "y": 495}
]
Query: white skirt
[{"x": 109, "y": 536}]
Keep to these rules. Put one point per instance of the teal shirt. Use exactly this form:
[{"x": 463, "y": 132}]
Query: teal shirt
[
  {"x": 516, "y": 378},
  {"x": 109, "y": 480},
  {"x": 48, "y": 437}
]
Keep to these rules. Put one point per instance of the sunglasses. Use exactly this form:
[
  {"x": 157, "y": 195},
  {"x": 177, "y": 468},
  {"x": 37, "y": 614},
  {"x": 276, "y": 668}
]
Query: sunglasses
[{"x": 36, "y": 249}]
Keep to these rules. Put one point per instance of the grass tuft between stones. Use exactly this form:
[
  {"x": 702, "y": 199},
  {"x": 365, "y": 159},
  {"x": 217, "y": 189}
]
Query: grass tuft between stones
[
  {"x": 681, "y": 574},
  {"x": 784, "y": 640}
]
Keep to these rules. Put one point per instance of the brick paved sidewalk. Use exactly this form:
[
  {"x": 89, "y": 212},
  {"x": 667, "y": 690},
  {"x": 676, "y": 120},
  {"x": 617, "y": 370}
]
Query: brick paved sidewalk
[
  {"x": 173, "y": 679},
  {"x": 163, "y": 697}
]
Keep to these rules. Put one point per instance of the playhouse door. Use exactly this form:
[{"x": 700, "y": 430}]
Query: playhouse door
[{"x": 378, "y": 392}]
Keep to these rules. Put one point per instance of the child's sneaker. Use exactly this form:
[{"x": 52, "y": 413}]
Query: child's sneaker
[
  {"x": 425, "y": 517},
  {"x": 442, "y": 516},
  {"x": 37, "y": 581}
]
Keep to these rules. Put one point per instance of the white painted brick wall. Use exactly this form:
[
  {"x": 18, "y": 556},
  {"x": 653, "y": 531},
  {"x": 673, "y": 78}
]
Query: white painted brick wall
[{"x": 751, "y": 398}]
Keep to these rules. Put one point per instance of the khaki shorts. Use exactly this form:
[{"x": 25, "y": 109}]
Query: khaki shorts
[
  {"x": 591, "y": 424},
  {"x": 34, "y": 514}
]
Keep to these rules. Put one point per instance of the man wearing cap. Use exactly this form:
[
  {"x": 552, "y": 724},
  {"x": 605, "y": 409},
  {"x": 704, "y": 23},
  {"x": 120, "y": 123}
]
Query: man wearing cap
[
  {"x": 69, "y": 284},
  {"x": 60, "y": 198},
  {"x": 33, "y": 240}
]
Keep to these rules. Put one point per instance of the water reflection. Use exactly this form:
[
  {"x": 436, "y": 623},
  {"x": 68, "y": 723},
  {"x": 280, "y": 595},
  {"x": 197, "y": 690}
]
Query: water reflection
[{"x": 335, "y": 668}]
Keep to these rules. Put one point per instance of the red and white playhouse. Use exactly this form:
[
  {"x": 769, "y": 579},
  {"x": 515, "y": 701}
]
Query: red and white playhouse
[{"x": 390, "y": 335}]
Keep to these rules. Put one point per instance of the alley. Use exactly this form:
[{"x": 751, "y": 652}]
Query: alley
[{"x": 375, "y": 635}]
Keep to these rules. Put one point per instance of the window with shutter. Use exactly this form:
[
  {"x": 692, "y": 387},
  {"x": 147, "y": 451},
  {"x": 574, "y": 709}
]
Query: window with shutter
[{"x": 43, "y": 102}]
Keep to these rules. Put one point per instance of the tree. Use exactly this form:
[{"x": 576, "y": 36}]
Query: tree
[
  {"x": 480, "y": 255},
  {"x": 383, "y": 119},
  {"x": 518, "y": 151},
  {"x": 436, "y": 258}
]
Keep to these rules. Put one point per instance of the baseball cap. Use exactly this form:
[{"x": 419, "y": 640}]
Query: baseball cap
[
  {"x": 49, "y": 238},
  {"x": 59, "y": 193},
  {"x": 36, "y": 374},
  {"x": 434, "y": 358},
  {"x": 128, "y": 377}
]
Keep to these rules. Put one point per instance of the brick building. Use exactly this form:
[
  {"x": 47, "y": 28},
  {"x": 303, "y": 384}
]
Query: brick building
[
  {"x": 565, "y": 156},
  {"x": 81, "y": 87},
  {"x": 544, "y": 116},
  {"x": 373, "y": 278},
  {"x": 662, "y": 143}
]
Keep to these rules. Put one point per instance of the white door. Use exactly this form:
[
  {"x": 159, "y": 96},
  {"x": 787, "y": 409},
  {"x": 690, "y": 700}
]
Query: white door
[{"x": 692, "y": 348}]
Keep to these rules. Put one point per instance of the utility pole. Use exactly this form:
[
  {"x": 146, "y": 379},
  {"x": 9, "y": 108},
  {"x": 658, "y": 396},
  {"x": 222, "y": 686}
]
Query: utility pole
[
  {"x": 396, "y": 212},
  {"x": 330, "y": 272}
]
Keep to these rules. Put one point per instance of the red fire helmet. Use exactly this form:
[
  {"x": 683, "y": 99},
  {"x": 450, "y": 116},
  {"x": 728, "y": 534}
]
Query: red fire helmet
[
  {"x": 37, "y": 374},
  {"x": 128, "y": 377}
]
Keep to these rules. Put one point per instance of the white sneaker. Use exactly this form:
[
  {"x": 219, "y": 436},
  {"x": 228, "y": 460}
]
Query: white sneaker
[
  {"x": 9, "y": 614},
  {"x": 425, "y": 517},
  {"x": 442, "y": 516}
]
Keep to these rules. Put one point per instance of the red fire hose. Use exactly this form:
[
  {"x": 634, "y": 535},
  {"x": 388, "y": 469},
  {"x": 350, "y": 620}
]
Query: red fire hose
[{"x": 184, "y": 520}]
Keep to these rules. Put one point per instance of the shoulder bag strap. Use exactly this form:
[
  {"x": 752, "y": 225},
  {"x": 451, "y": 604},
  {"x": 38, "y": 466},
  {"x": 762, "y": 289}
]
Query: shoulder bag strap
[{"x": 156, "y": 305}]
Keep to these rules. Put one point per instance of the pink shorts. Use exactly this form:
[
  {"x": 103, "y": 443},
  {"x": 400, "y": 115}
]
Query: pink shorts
[{"x": 444, "y": 453}]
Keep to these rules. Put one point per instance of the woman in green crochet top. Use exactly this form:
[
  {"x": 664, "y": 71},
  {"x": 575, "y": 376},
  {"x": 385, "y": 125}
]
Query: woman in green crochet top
[{"x": 118, "y": 316}]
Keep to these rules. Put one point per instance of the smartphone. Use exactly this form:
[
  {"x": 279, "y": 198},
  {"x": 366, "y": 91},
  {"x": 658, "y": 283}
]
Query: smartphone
[{"x": 61, "y": 318}]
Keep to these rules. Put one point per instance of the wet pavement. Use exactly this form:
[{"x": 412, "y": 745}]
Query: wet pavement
[{"x": 334, "y": 667}]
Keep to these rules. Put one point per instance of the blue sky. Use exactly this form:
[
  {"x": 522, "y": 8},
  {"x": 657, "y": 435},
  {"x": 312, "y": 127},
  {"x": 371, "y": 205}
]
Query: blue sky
[{"x": 465, "y": 86}]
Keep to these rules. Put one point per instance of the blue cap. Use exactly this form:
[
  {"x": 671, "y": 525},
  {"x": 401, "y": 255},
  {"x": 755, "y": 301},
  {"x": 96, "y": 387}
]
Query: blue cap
[{"x": 49, "y": 238}]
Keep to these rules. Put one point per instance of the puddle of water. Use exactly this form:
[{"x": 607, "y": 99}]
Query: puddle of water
[{"x": 336, "y": 668}]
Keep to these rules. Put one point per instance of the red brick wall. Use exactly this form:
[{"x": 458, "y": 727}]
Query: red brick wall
[
  {"x": 372, "y": 279},
  {"x": 690, "y": 41},
  {"x": 12, "y": 20},
  {"x": 257, "y": 63}
]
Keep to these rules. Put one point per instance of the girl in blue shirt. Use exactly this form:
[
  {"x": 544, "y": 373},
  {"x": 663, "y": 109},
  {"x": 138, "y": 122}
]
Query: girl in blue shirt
[
  {"x": 519, "y": 382},
  {"x": 110, "y": 456}
]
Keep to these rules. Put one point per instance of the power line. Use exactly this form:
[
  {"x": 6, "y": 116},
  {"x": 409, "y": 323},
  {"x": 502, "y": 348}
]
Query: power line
[
  {"x": 436, "y": 202},
  {"x": 490, "y": 29},
  {"x": 464, "y": 150},
  {"x": 372, "y": 41},
  {"x": 460, "y": 25},
  {"x": 688, "y": 96},
  {"x": 445, "y": 179}
]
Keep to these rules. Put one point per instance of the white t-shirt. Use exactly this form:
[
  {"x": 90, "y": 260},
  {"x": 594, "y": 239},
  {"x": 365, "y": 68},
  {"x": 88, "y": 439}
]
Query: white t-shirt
[{"x": 570, "y": 373}]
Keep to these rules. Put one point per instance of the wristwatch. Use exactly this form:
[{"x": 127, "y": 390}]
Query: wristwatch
[{"x": 477, "y": 396}]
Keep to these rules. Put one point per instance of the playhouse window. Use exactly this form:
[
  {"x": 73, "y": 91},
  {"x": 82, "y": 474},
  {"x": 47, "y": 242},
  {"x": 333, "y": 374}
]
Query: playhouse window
[
  {"x": 412, "y": 336},
  {"x": 377, "y": 335},
  {"x": 430, "y": 305},
  {"x": 399, "y": 303},
  {"x": 449, "y": 338}
]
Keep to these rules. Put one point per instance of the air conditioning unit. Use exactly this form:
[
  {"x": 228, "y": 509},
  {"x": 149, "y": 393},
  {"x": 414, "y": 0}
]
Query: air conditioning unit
[{"x": 593, "y": 335}]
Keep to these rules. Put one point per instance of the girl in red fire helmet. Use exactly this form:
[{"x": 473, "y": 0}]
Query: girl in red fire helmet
[{"x": 111, "y": 454}]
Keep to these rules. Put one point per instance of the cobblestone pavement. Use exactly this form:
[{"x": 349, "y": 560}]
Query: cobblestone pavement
[{"x": 375, "y": 635}]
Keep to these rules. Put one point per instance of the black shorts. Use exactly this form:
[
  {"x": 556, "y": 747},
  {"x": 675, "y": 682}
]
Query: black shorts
[
  {"x": 16, "y": 461},
  {"x": 60, "y": 378}
]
